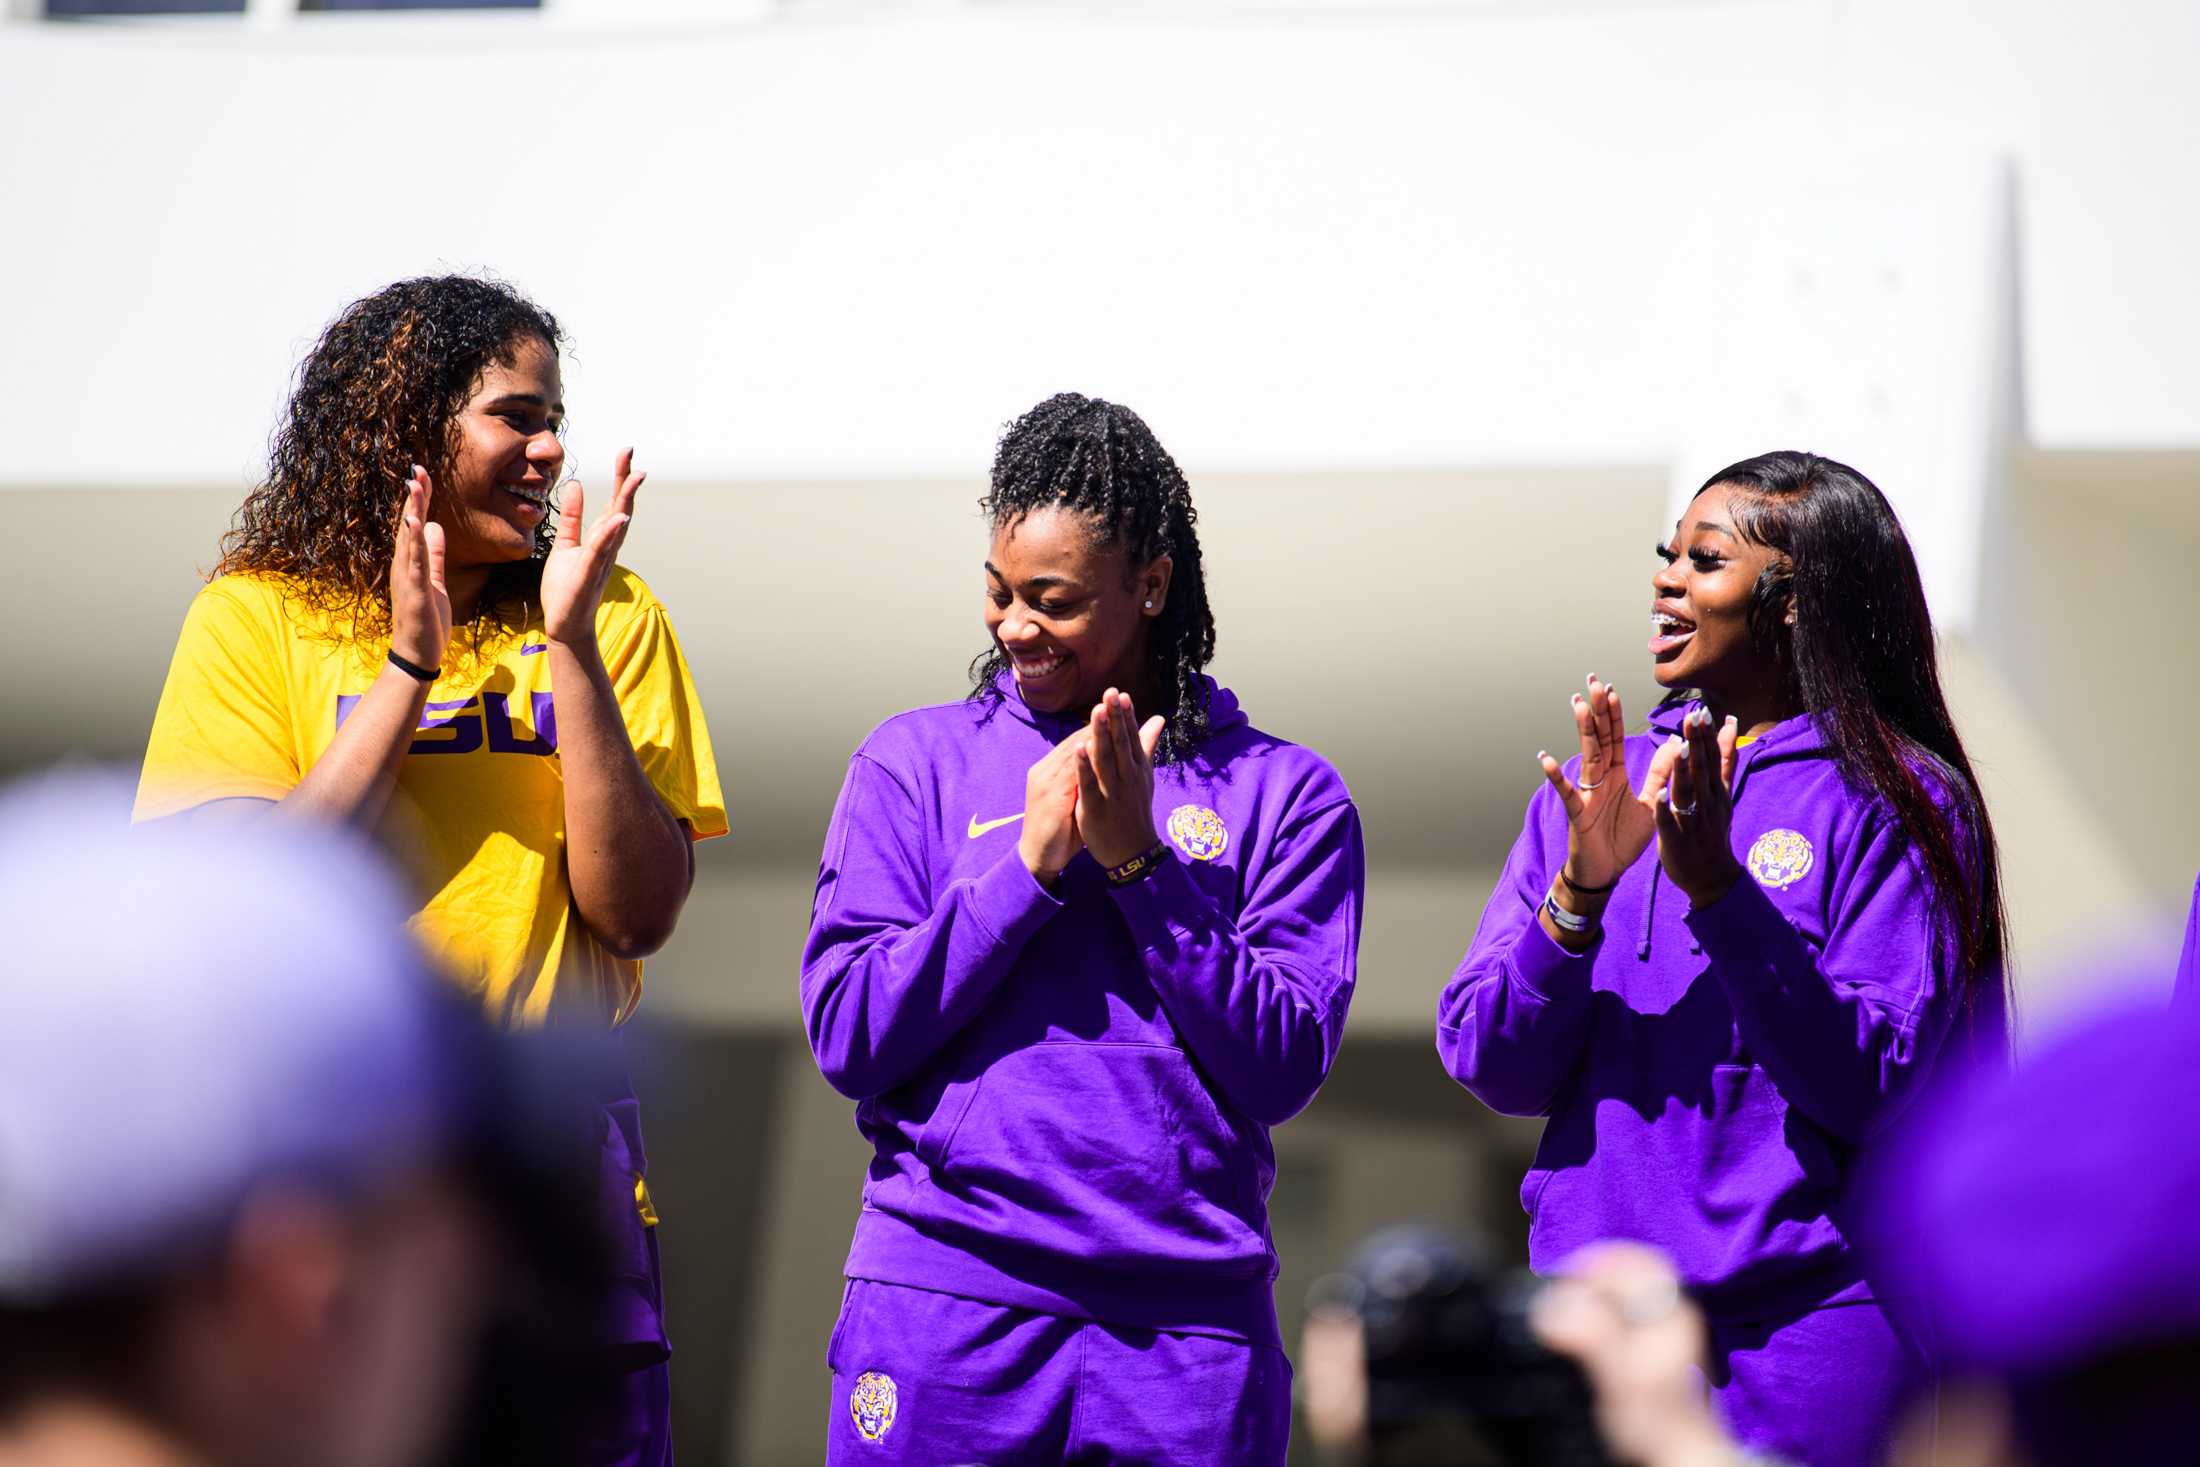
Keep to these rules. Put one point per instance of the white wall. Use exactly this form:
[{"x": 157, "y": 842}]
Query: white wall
[{"x": 1373, "y": 235}]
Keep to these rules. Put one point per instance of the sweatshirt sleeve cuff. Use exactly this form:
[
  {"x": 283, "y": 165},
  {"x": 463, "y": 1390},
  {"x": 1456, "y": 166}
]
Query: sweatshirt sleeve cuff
[
  {"x": 1167, "y": 899},
  {"x": 1741, "y": 927},
  {"x": 1544, "y": 966},
  {"x": 1010, "y": 900}
]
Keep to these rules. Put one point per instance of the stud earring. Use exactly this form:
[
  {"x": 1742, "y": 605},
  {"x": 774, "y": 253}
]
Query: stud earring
[{"x": 1149, "y": 606}]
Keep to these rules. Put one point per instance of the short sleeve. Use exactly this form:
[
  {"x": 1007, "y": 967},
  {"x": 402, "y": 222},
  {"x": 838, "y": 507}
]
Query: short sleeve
[
  {"x": 659, "y": 704},
  {"x": 223, "y": 729}
]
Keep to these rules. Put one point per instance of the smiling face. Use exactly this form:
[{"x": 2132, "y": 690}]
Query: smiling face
[
  {"x": 506, "y": 461},
  {"x": 1070, "y": 611},
  {"x": 1700, "y": 607}
]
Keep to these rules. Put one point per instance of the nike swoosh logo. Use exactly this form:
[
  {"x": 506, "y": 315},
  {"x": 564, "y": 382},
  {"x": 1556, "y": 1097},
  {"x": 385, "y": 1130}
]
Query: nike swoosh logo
[{"x": 977, "y": 830}]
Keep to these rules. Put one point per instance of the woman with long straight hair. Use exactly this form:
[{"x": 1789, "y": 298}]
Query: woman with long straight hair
[
  {"x": 408, "y": 633},
  {"x": 1071, "y": 966},
  {"x": 1721, "y": 1034}
]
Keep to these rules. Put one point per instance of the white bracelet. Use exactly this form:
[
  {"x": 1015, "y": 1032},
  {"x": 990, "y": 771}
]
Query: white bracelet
[{"x": 1565, "y": 921}]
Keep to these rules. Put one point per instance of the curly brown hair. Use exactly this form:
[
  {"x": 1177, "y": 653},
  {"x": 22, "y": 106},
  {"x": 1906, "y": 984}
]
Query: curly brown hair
[{"x": 381, "y": 391}]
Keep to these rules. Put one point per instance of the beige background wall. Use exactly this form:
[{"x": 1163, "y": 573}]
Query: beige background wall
[{"x": 1423, "y": 630}]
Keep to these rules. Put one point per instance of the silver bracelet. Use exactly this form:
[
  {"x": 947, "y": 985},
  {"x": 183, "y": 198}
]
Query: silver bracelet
[{"x": 1564, "y": 920}]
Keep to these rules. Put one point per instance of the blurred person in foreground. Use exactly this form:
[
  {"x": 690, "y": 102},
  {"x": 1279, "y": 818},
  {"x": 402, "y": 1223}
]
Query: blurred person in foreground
[
  {"x": 2039, "y": 1228},
  {"x": 1419, "y": 1354},
  {"x": 408, "y": 634},
  {"x": 1618, "y": 1310},
  {"x": 1723, "y": 1034},
  {"x": 2045, "y": 1225},
  {"x": 1422, "y": 1355},
  {"x": 235, "y": 1227}
]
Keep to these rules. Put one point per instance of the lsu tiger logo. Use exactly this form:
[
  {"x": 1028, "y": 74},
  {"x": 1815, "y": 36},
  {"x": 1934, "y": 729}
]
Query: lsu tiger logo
[
  {"x": 873, "y": 1404},
  {"x": 1780, "y": 858},
  {"x": 1198, "y": 832}
]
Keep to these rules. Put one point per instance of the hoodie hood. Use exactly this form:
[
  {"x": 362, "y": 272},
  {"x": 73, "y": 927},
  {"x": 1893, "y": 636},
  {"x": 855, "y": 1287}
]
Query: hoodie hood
[
  {"x": 1223, "y": 712},
  {"x": 1797, "y": 737}
]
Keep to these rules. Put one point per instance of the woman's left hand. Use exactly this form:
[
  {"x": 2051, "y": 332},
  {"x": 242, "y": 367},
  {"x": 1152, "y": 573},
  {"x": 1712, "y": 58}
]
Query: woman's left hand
[
  {"x": 1115, "y": 782},
  {"x": 574, "y": 575},
  {"x": 1696, "y": 813}
]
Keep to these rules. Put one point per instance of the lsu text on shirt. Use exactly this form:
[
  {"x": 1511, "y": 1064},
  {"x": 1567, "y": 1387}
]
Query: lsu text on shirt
[{"x": 258, "y": 688}]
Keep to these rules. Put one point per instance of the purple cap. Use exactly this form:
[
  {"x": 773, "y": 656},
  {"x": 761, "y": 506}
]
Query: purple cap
[
  {"x": 192, "y": 1010},
  {"x": 2046, "y": 1219}
]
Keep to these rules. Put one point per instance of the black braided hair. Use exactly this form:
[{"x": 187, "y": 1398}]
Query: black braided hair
[{"x": 1100, "y": 459}]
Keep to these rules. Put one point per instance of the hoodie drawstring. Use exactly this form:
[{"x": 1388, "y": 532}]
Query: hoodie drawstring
[{"x": 1657, "y": 875}]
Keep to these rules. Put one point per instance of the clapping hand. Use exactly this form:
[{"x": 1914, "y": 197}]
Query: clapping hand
[
  {"x": 420, "y": 605},
  {"x": 1695, "y": 808},
  {"x": 1115, "y": 781},
  {"x": 1608, "y": 824},
  {"x": 1049, "y": 840},
  {"x": 577, "y": 569}
]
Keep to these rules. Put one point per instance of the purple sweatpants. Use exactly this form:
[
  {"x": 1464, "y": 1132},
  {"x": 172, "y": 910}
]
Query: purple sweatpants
[
  {"x": 935, "y": 1379},
  {"x": 1819, "y": 1389},
  {"x": 638, "y": 1432}
]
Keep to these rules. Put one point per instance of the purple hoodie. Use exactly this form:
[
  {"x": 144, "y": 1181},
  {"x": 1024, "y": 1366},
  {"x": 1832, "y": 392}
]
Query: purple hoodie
[
  {"x": 1712, "y": 1076},
  {"x": 1070, "y": 1092}
]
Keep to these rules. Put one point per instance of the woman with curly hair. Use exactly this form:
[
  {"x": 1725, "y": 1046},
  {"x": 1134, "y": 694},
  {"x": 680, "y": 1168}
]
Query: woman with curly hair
[
  {"x": 408, "y": 633},
  {"x": 1066, "y": 1033},
  {"x": 1729, "y": 954}
]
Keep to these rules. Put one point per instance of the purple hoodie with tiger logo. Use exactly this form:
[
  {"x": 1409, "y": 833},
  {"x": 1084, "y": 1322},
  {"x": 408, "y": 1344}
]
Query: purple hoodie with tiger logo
[
  {"x": 1069, "y": 1092},
  {"x": 1714, "y": 1077}
]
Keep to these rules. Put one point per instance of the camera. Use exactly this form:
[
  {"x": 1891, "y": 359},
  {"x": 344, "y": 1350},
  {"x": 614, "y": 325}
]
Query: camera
[{"x": 1454, "y": 1374}]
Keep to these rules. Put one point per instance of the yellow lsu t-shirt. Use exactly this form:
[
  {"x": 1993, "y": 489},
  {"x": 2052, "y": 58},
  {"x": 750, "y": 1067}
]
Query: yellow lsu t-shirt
[{"x": 254, "y": 697}]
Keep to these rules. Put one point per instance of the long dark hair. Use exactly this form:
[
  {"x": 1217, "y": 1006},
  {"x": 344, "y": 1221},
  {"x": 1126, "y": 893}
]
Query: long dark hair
[
  {"x": 1860, "y": 658},
  {"x": 381, "y": 391},
  {"x": 1100, "y": 459}
]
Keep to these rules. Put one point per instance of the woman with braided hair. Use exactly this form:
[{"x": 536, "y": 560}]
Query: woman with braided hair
[
  {"x": 1079, "y": 940},
  {"x": 408, "y": 634}
]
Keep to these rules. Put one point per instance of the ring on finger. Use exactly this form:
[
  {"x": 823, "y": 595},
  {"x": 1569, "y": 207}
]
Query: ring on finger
[
  {"x": 1680, "y": 809},
  {"x": 1585, "y": 788}
]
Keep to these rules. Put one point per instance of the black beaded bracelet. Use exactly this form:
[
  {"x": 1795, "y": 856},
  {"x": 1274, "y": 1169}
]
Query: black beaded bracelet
[
  {"x": 1140, "y": 866},
  {"x": 1579, "y": 890},
  {"x": 413, "y": 669}
]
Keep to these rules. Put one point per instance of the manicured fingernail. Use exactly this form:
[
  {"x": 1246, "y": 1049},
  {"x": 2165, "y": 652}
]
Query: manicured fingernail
[{"x": 1541, "y": 755}]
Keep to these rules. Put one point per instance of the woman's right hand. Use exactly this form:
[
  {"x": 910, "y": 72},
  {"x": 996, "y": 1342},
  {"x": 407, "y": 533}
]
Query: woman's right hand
[
  {"x": 1050, "y": 840},
  {"x": 1608, "y": 824},
  {"x": 420, "y": 606}
]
